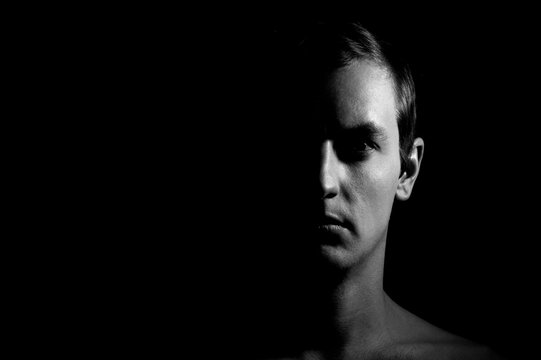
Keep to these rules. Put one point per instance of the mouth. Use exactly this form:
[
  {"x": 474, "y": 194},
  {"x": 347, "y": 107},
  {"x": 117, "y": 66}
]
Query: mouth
[{"x": 330, "y": 223}]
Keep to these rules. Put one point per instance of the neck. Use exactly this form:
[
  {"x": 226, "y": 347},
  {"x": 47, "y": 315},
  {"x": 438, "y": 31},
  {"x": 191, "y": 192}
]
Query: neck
[{"x": 354, "y": 315}]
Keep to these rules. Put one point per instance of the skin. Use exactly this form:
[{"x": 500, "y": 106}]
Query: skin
[
  {"x": 360, "y": 188},
  {"x": 359, "y": 181}
]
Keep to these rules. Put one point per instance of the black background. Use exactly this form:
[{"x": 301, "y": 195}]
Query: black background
[{"x": 188, "y": 185}]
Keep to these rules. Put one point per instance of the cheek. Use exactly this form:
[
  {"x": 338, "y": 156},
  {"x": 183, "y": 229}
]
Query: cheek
[{"x": 377, "y": 186}]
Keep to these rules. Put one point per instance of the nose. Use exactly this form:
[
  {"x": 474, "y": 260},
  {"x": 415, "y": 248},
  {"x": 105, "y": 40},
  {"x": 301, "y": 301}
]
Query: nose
[{"x": 329, "y": 171}]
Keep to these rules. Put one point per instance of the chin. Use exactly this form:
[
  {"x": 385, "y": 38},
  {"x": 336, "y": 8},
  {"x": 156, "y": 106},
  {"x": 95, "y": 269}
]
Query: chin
[{"x": 338, "y": 256}]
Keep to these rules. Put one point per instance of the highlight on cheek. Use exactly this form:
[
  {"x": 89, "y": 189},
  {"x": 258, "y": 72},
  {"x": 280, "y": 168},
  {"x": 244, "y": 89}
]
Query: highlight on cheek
[{"x": 378, "y": 170}]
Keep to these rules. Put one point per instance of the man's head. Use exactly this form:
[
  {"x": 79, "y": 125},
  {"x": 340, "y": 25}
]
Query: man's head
[
  {"x": 362, "y": 102},
  {"x": 332, "y": 46}
]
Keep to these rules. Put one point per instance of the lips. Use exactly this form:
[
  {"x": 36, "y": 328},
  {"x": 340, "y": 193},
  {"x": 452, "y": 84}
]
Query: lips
[{"x": 331, "y": 223}]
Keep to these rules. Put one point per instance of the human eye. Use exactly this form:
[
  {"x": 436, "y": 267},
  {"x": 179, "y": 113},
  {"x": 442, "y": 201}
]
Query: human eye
[{"x": 355, "y": 150}]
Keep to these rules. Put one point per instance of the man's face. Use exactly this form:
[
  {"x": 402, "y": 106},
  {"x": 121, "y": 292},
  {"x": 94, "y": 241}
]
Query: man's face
[{"x": 360, "y": 162}]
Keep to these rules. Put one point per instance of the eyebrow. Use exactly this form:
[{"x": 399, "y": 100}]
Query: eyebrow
[{"x": 365, "y": 129}]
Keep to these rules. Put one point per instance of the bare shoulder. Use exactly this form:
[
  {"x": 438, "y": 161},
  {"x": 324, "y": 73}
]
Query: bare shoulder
[
  {"x": 422, "y": 351},
  {"x": 415, "y": 338},
  {"x": 439, "y": 351}
]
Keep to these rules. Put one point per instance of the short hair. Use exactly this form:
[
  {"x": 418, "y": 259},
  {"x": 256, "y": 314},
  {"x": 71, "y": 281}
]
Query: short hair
[{"x": 330, "y": 46}]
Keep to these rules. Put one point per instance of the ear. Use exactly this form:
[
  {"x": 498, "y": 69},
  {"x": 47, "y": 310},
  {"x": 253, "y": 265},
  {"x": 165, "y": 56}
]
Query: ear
[{"x": 409, "y": 175}]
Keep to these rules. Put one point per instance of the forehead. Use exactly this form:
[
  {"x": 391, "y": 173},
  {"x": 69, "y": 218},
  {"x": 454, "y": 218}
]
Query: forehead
[{"x": 358, "y": 93}]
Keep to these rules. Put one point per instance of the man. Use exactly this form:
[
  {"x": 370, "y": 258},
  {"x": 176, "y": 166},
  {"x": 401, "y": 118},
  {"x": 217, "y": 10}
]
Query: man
[{"x": 358, "y": 107}]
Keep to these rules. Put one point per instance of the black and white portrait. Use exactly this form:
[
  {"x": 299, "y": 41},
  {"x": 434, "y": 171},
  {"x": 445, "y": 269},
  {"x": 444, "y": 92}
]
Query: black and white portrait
[{"x": 298, "y": 184}]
